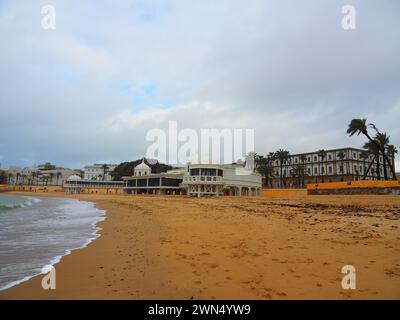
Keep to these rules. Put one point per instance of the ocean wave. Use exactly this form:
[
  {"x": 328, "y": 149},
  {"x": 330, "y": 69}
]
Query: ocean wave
[
  {"x": 28, "y": 202},
  {"x": 82, "y": 207}
]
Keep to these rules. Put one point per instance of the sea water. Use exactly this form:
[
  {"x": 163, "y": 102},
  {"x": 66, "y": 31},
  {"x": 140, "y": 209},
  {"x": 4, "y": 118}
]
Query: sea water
[{"x": 35, "y": 232}]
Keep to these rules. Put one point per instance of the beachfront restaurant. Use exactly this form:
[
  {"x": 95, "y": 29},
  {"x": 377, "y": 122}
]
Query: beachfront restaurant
[{"x": 166, "y": 183}]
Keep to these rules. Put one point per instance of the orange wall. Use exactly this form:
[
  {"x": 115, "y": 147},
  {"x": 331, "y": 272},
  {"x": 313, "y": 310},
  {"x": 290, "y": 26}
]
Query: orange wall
[
  {"x": 284, "y": 193},
  {"x": 354, "y": 184}
]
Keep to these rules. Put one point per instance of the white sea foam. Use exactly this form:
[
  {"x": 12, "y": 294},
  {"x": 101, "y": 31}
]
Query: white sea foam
[{"x": 56, "y": 227}]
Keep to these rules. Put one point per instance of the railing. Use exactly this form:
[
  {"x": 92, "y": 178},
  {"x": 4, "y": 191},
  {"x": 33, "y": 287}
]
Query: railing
[{"x": 202, "y": 179}]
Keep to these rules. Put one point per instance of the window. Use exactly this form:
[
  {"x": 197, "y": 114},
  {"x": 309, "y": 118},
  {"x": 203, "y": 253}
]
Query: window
[
  {"x": 329, "y": 157},
  {"x": 309, "y": 159},
  {"x": 315, "y": 170},
  {"x": 315, "y": 158},
  {"x": 330, "y": 169}
]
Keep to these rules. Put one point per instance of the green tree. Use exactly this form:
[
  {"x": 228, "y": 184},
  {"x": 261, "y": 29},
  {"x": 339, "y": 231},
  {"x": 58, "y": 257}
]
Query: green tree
[
  {"x": 282, "y": 156},
  {"x": 364, "y": 156},
  {"x": 383, "y": 140},
  {"x": 341, "y": 157},
  {"x": 371, "y": 148},
  {"x": 358, "y": 126},
  {"x": 322, "y": 155},
  {"x": 264, "y": 167}
]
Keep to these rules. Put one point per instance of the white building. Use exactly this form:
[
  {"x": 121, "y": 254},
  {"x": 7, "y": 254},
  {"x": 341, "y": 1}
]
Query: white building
[
  {"x": 226, "y": 179},
  {"x": 39, "y": 176},
  {"x": 142, "y": 169},
  {"x": 99, "y": 171}
]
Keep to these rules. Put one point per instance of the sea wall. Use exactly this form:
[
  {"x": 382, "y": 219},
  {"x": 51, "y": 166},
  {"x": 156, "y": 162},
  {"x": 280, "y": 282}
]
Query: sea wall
[
  {"x": 355, "y": 187},
  {"x": 35, "y": 188}
]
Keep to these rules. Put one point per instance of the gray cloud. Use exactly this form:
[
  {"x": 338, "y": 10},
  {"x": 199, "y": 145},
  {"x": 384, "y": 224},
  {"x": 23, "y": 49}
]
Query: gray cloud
[{"x": 77, "y": 94}]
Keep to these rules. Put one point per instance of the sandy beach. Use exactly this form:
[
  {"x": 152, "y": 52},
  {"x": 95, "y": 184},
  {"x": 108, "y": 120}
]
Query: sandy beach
[{"x": 172, "y": 247}]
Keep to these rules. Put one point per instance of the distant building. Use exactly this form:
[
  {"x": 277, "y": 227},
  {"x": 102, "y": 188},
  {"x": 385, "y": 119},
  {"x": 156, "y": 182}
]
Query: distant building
[
  {"x": 99, "y": 171},
  {"x": 40, "y": 175},
  {"x": 345, "y": 164},
  {"x": 75, "y": 184}
]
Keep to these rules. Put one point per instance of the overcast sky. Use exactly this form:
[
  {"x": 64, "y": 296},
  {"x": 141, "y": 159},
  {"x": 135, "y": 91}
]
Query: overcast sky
[{"x": 90, "y": 90}]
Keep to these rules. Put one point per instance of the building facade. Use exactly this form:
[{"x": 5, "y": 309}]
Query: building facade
[
  {"x": 345, "y": 164},
  {"x": 229, "y": 180},
  {"x": 40, "y": 175},
  {"x": 99, "y": 171}
]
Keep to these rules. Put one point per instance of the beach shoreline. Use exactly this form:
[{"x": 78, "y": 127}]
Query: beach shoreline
[{"x": 173, "y": 247}]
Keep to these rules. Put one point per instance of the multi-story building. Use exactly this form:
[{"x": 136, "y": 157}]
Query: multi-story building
[
  {"x": 99, "y": 171},
  {"x": 345, "y": 164},
  {"x": 221, "y": 179}
]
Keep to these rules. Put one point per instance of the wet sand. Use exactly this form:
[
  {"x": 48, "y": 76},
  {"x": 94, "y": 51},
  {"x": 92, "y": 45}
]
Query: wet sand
[{"x": 155, "y": 247}]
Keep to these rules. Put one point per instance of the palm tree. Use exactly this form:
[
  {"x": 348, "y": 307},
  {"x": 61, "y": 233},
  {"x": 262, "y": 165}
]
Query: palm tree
[
  {"x": 358, "y": 126},
  {"x": 383, "y": 140},
  {"x": 341, "y": 157},
  {"x": 303, "y": 159},
  {"x": 322, "y": 155},
  {"x": 288, "y": 162},
  {"x": 299, "y": 172},
  {"x": 264, "y": 167},
  {"x": 373, "y": 149},
  {"x": 364, "y": 156},
  {"x": 271, "y": 157},
  {"x": 282, "y": 156},
  {"x": 391, "y": 152}
]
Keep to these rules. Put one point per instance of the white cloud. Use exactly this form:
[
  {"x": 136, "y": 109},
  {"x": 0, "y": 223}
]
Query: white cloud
[{"x": 286, "y": 69}]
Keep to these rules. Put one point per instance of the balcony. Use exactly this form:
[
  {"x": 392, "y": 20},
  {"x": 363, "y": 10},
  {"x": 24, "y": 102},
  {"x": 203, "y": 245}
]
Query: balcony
[{"x": 202, "y": 179}]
